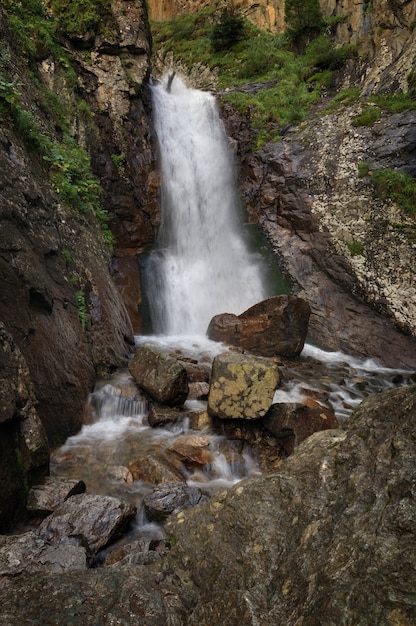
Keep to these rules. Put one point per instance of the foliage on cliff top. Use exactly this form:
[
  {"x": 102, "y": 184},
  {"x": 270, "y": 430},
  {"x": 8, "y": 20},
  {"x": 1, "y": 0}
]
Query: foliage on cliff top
[{"x": 262, "y": 74}]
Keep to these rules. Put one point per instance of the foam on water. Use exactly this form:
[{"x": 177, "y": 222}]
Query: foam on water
[{"x": 201, "y": 265}]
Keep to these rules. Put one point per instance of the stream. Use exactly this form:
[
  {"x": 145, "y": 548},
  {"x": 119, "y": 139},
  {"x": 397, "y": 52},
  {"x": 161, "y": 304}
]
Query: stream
[{"x": 119, "y": 433}]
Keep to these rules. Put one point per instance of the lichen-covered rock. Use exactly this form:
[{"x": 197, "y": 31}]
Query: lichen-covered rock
[
  {"x": 241, "y": 386},
  {"x": 159, "y": 375}
]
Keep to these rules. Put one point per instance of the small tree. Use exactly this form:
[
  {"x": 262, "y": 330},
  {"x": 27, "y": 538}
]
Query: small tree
[
  {"x": 304, "y": 21},
  {"x": 228, "y": 31}
]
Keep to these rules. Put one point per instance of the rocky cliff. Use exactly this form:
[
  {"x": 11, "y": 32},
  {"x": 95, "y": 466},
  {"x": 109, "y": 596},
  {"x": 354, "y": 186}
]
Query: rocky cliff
[{"x": 62, "y": 274}]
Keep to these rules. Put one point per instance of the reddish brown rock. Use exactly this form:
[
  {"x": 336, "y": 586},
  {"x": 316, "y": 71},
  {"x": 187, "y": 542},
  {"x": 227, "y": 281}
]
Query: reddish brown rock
[
  {"x": 191, "y": 450},
  {"x": 292, "y": 423},
  {"x": 155, "y": 469},
  {"x": 277, "y": 326}
]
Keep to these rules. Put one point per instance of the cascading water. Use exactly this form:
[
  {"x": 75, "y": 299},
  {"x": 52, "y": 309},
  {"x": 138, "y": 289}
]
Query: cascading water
[{"x": 202, "y": 265}]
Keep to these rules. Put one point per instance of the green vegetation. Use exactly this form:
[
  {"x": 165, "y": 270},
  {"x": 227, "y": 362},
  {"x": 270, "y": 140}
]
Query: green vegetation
[
  {"x": 228, "y": 31},
  {"x": 368, "y": 116},
  {"x": 363, "y": 169},
  {"x": 304, "y": 20},
  {"x": 394, "y": 102},
  {"x": 82, "y": 308},
  {"x": 260, "y": 57},
  {"x": 69, "y": 164},
  {"x": 399, "y": 186},
  {"x": 355, "y": 247},
  {"x": 85, "y": 17}
]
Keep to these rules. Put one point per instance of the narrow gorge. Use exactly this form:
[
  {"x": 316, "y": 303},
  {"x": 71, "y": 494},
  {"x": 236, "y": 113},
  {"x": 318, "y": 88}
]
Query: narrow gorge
[{"x": 289, "y": 471}]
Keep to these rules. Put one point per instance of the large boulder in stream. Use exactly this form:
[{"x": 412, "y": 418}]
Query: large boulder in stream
[
  {"x": 274, "y": 327},
  {"x": 160, "y": 376},
  {"x": 242, "y": 386}
]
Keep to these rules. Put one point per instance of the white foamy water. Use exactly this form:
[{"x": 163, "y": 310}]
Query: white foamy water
[{"x": 201, "y": 265}]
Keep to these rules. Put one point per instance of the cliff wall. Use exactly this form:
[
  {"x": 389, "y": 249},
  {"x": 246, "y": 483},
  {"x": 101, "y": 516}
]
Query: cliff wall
[{"x": 75, "y": 157}]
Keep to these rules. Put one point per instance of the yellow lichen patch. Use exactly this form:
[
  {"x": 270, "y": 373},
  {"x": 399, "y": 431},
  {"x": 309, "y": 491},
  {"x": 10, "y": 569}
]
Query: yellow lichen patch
[
  {"x": 257, "y": 548},
  {"x": 310, "y": 531},
  {"x": 286, "y": 586}
]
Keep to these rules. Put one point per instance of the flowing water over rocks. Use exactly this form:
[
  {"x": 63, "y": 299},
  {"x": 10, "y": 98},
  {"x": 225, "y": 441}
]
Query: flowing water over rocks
[{"x": 121, "y": 455}]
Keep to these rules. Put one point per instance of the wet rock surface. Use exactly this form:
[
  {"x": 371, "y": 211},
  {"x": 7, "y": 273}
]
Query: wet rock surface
[
  {"x": 170, "y": 499},
  {"x": 275, "y": 327},
  {"x": 91, "y": 520},
  {"x": 45, "y": 498},
  {"x": 24, "y": 449},
  {"x": 159, "y": 375}
]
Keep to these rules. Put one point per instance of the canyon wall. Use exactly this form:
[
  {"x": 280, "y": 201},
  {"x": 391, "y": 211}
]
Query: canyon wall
[{"x": 64, "y": 318}]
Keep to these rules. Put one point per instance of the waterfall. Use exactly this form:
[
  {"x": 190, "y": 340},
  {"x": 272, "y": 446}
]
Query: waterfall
[{"x": 201, "y": 265}]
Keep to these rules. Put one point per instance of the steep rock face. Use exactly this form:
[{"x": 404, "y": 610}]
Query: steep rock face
[
  {"x": 113, "y": 75},
  {"x": 24, "y": 452},
  {"x": 307, "y": 193},
  {"x": 59, "y": 300},
  {"x": 383, "y": 28}
]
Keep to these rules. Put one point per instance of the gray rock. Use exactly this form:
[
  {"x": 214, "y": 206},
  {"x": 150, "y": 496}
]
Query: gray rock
[
  {"x": 171, "y": 498},
  {"x": 242, "y": 386},
  {"x": 93, "y": 520},
  {"x": 28, "y": 553},
  {"x": 159, "y": 375},
  {"x": 48, "y": 496},
  {"x": 160, "y": 415}
]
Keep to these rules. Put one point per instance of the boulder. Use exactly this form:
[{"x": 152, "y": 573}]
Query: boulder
[
  {"x": 198, "y": 391},
  {"x": 242, "y": 386},
  {"x": 155, "y": 469},
  {"x": 292, "y": 423},
  {"x": 329, "y": 538},
  {"x": 48, "y": 496},
  {"x": 159, "y": 375},
  {"x": 92, "y": 520},
  {"x": 191, "y": 450},
  {"x": 28, "y": 553},
  {"x": 274, "y": 327},
  {"x": 170, "y": 499},
  {"x": 160, "y": 415}
]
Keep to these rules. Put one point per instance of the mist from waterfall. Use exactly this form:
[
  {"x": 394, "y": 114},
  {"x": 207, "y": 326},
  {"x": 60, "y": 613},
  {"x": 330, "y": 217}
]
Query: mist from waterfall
[{"x": 201, "y": 265}]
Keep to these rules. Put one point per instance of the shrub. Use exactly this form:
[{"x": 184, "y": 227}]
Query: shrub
[
  {"x": 369, "y": 115},
  {"x": 363, "y": 169},
  {"x": 399, "y": 186},
  {"x": 228, "y": 31},
  {"x": 304, "y": 20},
  {"x": 355, "y": 247}
]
